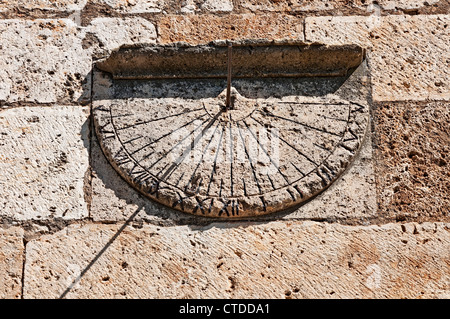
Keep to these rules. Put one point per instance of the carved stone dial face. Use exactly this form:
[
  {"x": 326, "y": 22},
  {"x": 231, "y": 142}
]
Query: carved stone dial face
[{"x": 262, "y": 155}]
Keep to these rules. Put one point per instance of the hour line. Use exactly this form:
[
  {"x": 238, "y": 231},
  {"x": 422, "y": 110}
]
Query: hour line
[
  {"x": 300, "y": 123},
  {"x": 203, "y": 154},
  {"x": 215, "y": 160},
  {"x": 270, "y": 158},
  {"x": 165, "y": 135},
  {"x": 298, "y": 151},
  {"x": 250, "y": 160},
  {"x": 321, "y": 115},
  {"x": 180, "y": 159},
  {"x": 158, "y": 119}
]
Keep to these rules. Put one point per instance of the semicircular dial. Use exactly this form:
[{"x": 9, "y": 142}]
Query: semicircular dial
[{"x": 256, "y": 157}]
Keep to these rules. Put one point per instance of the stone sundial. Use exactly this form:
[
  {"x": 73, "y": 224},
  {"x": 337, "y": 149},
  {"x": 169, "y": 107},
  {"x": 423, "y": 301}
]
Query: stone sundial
[{"x": 233, "y": 132}]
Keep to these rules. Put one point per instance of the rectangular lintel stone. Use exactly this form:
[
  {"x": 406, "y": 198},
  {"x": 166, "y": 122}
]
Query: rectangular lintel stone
[
  {"x": 241, "y": 260},
  {"x": 43, "y": 162},
  {"x": 11, "y": 262},
  {"x": 204, "y": 28},
  {"x": 407, "y": 58},
  {"x": 43, "y": 61}
]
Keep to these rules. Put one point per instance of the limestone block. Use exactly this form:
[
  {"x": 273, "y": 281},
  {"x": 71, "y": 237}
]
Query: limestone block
[
  {"x": 50, "y": 5},
  {"x": 413, "y": 151},
  {"x": 134, "y": 6},
  {"x": 406, "y": 54},
  {"x": 11, "y": 262},
  {"x": 157, "y": 6},
  {"x": 298, "y": 5},
  {"x": 405, "y": 4},
  {"x": 204, "y": 28},
  {"x": 191, "y": 6},
  {"x": 241, "y": 260},
  {"x": 114, "y": 32},
  {"x": 409, "y": 61},
  {"x": 341, "y": 30},
  {"x": 43, "y": 61},
  {"x": 348, "y": 7},
  {"x": 44, "y": 162}
]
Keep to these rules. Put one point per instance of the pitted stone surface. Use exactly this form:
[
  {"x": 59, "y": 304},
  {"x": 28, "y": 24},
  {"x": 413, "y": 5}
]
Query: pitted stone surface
[
  {"x": 115, "y": 32},
  {"x": 406, "y": 53},
  {"x": 11, "y": 262},
  {"x": 44, "y": 161},
  {"x": 134, "y": 6},
  {"x": 341, "y": 30},
  {"x": 241, "y": 260},
  {"x": 300, "y": 5},
  {"x": 261, "y": 156},
  {"x": 43, "y": 61},
  {"x": 51, "y": 5},
  {"x": 347, "y": 7},
  {"x": 406, "y": 4},
  {"x": 413, "y": 151},
  {"x": 205, "y": 28},
  {"x": 409, "y": 59},
  {"x": 191, "y": 6}
]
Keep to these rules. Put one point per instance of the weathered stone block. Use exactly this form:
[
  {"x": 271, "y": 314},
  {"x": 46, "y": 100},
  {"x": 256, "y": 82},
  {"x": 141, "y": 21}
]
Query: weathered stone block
[
  {"x": 11, "y": 262},
  {"x": 299, "y": 5},
  {"x": 191, "y": 6},
  {"x": 96, "y": 8},
  {"x": 115, "y": 32},
  {"x": 413, "y": 153},
  {"x": 341, "y": 30},
  {"x": 406, "y": 4},
  {"x": 134, "y": 6},
  {"x": 342, "y": 7},
  {"x": 408, "y": 60},
  {"x": 43, "y": 61},
  {"x": 241, "y": 260},
  {"x": 48, "y": 5},
  {"x": 406, "y": 57},
  {"x": 204, "y": 28},
  {"x": 44, "y": 162}
]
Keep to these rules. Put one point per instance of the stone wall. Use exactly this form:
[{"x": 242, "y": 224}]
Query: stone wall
[{"x": 71, "y": 227}]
